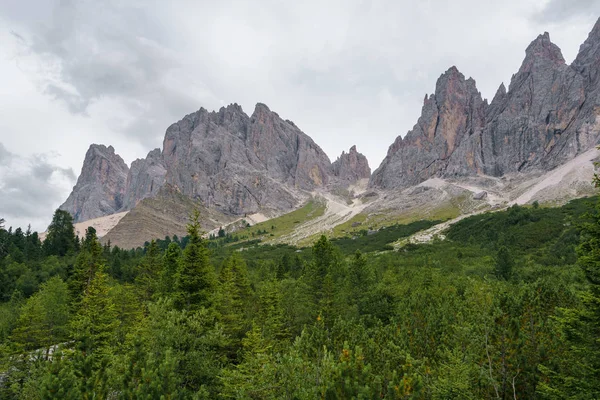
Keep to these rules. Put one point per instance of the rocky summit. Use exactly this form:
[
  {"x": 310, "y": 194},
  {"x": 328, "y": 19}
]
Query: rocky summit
[
  {"x": 233, "y": 164},
  {"x": 548, "y": 115},
  {"x": 100, "y": 188},
  {"x": 227, "y": 160},
  {"x": 351, "y": 167}
]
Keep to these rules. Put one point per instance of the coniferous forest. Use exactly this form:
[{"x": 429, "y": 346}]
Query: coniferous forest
[{"x": 506, "y": 307}]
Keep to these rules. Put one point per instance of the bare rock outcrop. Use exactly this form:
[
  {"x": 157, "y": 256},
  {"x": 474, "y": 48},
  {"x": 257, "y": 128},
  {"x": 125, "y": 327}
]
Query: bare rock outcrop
[
  {"x": 549, "y": 115},
  {"x": 351, "y": 167},
  {"x": 242, "y": 164},
  {"x": 455, "y": 111},
  {"x": 146, "y": 177},
  {"x": 100, "y": 188}
]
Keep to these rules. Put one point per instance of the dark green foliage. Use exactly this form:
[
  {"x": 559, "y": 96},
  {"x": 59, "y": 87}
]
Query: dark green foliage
[
  {"x": 503, "y": 269},
  {"x": 61, "y": 238},
  {"x": 498, "y": 310},
  {"x": 149, "y": 272},
  {"x": 381, "y": 239},
  {"x": 89, "y": 261},
  {"x": 195, "y": 281},
  {"x": 170, "y": 267}
]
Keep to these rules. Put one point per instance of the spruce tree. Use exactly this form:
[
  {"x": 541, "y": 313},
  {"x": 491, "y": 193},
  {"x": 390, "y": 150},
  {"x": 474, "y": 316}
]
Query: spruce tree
[
  {"x": 195, "y": 281},
  {"x": 148, "y": 277},
  {"x": 235, "y": 299},
  {"x": 170, "y": 266},
  {"x": 93, "y": 333},
  {"x": 88, "y": 262},
  {"x": 61, "y": 237}
]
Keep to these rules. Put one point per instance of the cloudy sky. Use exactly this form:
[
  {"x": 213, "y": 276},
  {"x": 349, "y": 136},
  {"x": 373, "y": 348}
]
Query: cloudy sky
[{"x": 75, "y": 72}]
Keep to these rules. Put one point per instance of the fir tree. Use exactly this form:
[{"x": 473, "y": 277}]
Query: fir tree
[
  {"x": 87, "y": 264},
  {"x": 195, "y": 281},
  {"x": 148, "y": 277},
  {"x": 94, "y": 337},
  {"x": 170, "y": 267},
  {"x": 235, "y": 298},
  {"x": 61, "y": 237}
]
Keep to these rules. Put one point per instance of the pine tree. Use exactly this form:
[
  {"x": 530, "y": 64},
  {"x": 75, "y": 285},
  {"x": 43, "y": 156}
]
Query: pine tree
[
  {"x": 61, "y": 237},
  {"x": 195, "y": 281},
  {"x": 170, "y": 267},
  {"x": 271, "y": 318},
  {"x": 148, "y": 277},
  {"x": 94, "y": 336},
  {"x": 235, "y": 297},
  {"x": 60, "y": 380},
  {"x": 360, "y": 280},
  {"x": 87, "y": 264}
]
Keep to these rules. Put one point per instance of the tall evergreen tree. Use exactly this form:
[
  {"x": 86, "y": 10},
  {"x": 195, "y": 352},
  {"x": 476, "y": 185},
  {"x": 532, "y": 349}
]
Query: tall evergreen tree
[
  {"x": 170, "y": 267},
  {"x": 148, "y": 277},
  {"x": 88, "y": 263},
  {"x": 235, "y": 297},
  {"x": 360, "y": 280},
  {"x": 93, "y": 332},
  {"x": 61, "y": 238},
  {"x": 195, "y": 281}
]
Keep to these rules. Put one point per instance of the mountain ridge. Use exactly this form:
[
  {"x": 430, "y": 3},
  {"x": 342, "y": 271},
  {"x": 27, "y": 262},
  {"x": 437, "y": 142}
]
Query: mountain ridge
[{"x": 240, "y": 164}]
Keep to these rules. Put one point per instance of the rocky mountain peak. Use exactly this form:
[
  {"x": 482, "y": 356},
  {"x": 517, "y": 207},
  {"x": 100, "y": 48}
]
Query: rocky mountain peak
[
  {"x": 587, "y": 61},
  {"x": 500, "y": 93},
  {"x": 351, "y": 167},
  {"x": 455, "y": 111},
  {"x": 541, "y": 52},
  {"x": 549, "y": 114},
  {"x": 233, "y": 162},
  {"x": 100, "y": 188}
]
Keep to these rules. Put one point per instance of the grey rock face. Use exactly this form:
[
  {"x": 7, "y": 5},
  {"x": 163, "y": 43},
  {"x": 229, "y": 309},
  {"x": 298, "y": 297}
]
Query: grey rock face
[
  {"x": 548, "y": 115},
  {"x": 533, "y": 123},
  {"x": 146, "y": 176},
  {"x": 455, "y": 111},
  {"x": 100, "y": 188},
  {"x": 227, "y": 160},
  {"x": 351, "y": 166},
  {"x": 241, "y": 164}
]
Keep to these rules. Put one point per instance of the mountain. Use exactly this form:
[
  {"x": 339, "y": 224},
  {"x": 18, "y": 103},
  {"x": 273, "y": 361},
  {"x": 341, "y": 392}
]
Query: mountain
[
  {"x": 100, "y": 188},
  {"x": 548, "y": 115},
  {"x": 454, "y": 112},
  {"x": 533, "y": 142},
  {"x": 351, "y": 167},
  {"x": 226, "y": 160}
]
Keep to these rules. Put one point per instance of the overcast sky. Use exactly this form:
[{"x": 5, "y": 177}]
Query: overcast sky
[{"x": 119, "y": 72}]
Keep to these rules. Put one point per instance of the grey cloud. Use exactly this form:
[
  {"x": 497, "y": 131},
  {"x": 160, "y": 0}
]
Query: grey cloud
[
  {"x": 32, "y": 189},
  {"x": 5, "y": 155},
  {"x": 111, "y": 52},
  {"x": 562, "y": 10}
]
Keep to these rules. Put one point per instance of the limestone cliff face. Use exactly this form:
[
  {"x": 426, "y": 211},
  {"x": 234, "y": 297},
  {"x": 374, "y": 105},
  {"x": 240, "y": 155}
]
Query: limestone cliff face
[
  {"x": 454, "y": 112},
  {"x": 537, "y": 118},
  {"x": 100, "y": 188},
  {"x": 351, "y": 167},
  {"x": 225, "y": 160},
  {"x": 146, "y": 177},
  {"x": 548, "y": 115},
  {"x": 241, "y": 164}
]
